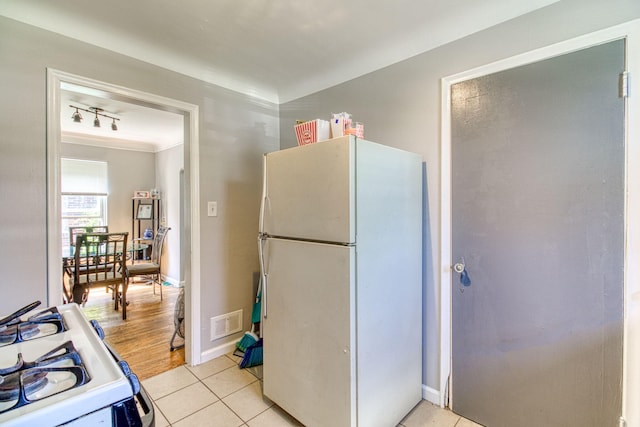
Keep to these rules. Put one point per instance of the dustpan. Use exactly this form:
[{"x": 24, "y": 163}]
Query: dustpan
[{"x": 253, "y": 355}]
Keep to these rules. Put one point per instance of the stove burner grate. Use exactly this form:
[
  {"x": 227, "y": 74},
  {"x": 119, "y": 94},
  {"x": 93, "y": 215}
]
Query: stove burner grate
[
  {"x": 42, "y": 324},
  {"x": 57, "y": 371},
  {"x": 9, "y": 334},
  {"x": 30, "y": 381}
]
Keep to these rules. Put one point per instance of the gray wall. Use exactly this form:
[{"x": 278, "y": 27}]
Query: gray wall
[
  {"x": 235, "y": 130},
  {"x": 400, "y": 106}
]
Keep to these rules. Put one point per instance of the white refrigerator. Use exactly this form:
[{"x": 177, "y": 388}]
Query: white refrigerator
[{"x": 341, "y": 254}]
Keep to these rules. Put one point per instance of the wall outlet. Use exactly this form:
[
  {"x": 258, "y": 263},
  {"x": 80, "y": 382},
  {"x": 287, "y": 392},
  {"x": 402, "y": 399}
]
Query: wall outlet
[
  {"x": 226, "y": 324},
  {"x": 212, "y": 208}
]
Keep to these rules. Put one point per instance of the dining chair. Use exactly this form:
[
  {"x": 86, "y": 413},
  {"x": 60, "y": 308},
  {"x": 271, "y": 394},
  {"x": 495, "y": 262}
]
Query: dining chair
[
  {"x": 69, "y": 264},
  {"x": 74, "y": 231},
  {"x": 73, "y": 235},
  {"x": 99, "y": 260},
  {"x": 153, "y": 267}
]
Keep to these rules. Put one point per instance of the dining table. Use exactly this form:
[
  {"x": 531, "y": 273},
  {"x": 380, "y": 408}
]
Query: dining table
[{"x": 68, "y": 256}]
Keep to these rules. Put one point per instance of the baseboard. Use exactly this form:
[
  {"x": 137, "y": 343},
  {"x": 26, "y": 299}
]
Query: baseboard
[
  {"x": 431, "y": 395},
  {"x": 218, "y": 351},
  {"x": 173, "y": 282}
]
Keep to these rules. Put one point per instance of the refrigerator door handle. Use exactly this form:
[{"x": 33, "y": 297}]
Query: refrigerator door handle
[
  {"x": 263, "y": 272},
  {"x": 264, "y": 296},
  {"x": 261, "y": 235},
  {"x": 264, "y": 195}
]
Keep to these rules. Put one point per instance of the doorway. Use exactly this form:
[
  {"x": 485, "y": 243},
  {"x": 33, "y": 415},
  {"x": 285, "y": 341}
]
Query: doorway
[{"x": 189, "y": 227}]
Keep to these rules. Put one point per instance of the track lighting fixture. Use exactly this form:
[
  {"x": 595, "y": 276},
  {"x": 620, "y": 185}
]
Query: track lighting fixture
[{"x": 77, "y": 117}]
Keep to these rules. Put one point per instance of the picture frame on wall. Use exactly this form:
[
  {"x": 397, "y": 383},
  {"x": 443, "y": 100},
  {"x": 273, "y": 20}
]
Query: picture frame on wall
[{"x": 144, "y": 212}]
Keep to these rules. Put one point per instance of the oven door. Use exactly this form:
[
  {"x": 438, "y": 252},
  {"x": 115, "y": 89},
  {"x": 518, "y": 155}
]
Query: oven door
[{"x": 136, "y": 411}]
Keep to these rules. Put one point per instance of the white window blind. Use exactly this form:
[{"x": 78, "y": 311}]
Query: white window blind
[{"x": 84, "y": 177}]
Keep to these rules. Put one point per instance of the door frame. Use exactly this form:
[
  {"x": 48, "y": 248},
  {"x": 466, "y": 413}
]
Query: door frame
[
  {"x": 191, "y": 256},
  {"x": 629, "y": 31}
]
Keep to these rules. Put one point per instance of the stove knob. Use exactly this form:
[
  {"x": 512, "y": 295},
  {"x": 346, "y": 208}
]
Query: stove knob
[
  {"x": 98, "y": 329},
  {"x": 133, "y": 378},
  {"x": 124, "y": 367},
  {"x": 135, "y": 383}
]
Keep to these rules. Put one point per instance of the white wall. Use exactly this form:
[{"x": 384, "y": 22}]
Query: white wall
[
  {"x": 400, "y": 106},
  {"x": 127, "y": 171},
  {"x": 234, "y": 131},
  {"x": 169, "y": 162}
]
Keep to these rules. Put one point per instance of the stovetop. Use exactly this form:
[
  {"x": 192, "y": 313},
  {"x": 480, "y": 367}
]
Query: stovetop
[{"x": 55, "y": 368}]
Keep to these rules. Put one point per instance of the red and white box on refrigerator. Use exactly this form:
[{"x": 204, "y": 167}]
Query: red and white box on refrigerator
[{"x": 312, "y": 131}]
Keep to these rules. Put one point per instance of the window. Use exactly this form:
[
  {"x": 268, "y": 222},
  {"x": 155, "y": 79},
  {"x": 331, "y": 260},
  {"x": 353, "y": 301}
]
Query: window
[{"x": 84, "y": 195}]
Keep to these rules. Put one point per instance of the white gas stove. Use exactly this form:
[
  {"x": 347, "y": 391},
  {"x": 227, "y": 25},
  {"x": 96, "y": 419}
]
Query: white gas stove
[{"x": 55, "y": 369}]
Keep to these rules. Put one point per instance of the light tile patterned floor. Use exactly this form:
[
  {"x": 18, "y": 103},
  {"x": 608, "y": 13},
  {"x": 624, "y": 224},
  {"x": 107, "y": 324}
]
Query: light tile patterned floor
[{"x": 219, "y": 394}]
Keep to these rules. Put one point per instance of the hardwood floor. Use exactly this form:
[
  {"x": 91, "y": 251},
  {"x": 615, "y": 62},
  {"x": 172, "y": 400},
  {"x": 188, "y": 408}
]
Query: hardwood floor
[{"x": 143, "y": 340}]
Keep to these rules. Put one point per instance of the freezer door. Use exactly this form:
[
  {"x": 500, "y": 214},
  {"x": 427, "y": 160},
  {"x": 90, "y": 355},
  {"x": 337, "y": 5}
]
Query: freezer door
[
  {"x": 309, "y": 339},
  {"x": 310, "y": 192}
]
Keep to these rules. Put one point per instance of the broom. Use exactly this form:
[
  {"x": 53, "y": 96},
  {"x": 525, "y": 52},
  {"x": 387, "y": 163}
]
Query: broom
[
  {"x": 253, "y": 354},
  {"x": 250, "y": 338},
  {"x": 247, "y": 340}
]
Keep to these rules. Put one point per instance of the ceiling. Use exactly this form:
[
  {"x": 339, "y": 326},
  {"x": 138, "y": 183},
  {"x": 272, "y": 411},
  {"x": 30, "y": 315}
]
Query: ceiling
[
  {"x": 276, "y": 50},
  {"x": 140, "y": 127}
]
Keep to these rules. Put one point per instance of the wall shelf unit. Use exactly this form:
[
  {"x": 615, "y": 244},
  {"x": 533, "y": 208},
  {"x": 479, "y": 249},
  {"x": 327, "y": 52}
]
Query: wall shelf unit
[{"x": 145, "y": 213}]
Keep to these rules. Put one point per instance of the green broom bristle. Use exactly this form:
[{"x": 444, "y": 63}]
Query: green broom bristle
[{"x": 248, "y": 339}]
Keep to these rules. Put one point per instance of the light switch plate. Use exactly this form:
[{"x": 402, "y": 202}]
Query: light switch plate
[{"x": 212, "y": 208}]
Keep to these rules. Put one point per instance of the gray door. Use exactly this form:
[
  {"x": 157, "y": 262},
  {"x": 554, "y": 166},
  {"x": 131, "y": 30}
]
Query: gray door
[{"x": 538, "y": 222}]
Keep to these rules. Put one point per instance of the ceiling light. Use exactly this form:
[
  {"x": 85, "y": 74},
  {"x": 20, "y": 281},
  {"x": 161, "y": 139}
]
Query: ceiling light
[
  {"x": 77, "y": 117},
  {"x": 96, "y": 121}
]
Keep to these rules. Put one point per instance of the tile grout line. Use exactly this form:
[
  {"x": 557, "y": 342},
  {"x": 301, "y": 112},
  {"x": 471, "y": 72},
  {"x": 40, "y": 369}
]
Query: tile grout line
[
  {"x": 244, "y": 422},
  {"x": 154, "y": 401},
  {"x": 235, "y": 363}
]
